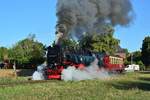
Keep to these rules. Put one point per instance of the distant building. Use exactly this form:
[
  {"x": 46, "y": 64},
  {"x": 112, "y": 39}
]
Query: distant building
[{"x": 121, "y": 52}]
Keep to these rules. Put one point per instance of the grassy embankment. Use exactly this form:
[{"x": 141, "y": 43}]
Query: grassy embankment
[{"x": 131, "y": 86}]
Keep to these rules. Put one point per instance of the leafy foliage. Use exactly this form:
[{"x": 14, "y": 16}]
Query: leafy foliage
[
  {"x": 146, "y": 51},
  {"x": 142, "y": 66},
  {"x": 136, "y": 56},
  {"x": 3, "y": 53},
  {"x": 28, "y": 52},
  {"x": 104, "y": 42},
  {"x": 69, "y": 43},
  {"x": 86, "y": 42}
]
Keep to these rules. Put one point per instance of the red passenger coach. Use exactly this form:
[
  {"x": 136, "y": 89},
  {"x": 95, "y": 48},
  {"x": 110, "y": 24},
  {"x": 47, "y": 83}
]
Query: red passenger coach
[{"x": 113, "y": 63}]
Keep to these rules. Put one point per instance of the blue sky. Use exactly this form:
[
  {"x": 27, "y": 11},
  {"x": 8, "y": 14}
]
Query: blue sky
[{"x": 18, "y": 18}]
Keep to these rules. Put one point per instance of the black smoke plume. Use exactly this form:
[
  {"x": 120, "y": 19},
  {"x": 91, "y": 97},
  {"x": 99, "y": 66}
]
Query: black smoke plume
[{"x": 79, "y": 16}]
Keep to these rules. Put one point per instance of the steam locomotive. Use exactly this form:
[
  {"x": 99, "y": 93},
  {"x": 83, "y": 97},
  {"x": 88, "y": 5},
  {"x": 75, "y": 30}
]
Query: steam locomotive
[{"x": 59, "y": 59}]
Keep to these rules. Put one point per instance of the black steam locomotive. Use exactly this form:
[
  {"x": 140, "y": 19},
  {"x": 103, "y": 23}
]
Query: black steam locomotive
[{"x": 59, "y": 59}]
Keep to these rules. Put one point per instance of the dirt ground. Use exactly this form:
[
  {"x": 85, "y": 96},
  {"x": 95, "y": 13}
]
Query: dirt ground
[{"x": 7, "y": 73}]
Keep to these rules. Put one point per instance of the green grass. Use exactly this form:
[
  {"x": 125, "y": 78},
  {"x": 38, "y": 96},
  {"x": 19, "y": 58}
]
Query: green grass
[{"x": 130, "y": 86}]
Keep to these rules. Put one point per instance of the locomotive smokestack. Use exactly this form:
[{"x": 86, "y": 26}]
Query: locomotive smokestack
[
  {"x": 60, "y": 33},
  {"x": 90, "y": 15},
  {"x": 59, "y": 37}
]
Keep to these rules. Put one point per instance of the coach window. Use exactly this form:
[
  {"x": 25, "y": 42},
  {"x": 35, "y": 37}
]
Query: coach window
[{"x": 113, "y": 60}]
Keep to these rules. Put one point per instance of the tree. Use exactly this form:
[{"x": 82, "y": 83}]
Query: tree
[
  {"x": 86, "y": 42},
  {"x": 146, "y": 51},
  {"x": 3, "y": 53},
  {"x": 28, "y": 52},
  {"x": 142, "y": 66},
  {"x": 69, "y": 43},
  {"x": 104, "y": 42},
  {"x": 136, "y": 56}
]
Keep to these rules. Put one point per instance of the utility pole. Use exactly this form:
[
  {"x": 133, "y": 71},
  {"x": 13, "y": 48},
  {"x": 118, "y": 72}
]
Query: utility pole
[
  {"x": 14, "y": 67},
  {"x": 131, "y": 58}
]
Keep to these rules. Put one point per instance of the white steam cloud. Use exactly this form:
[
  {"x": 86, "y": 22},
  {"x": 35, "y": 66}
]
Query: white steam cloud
[
  {"x": 39, "y": 74},
  {"x": 89, "y": 73}
]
